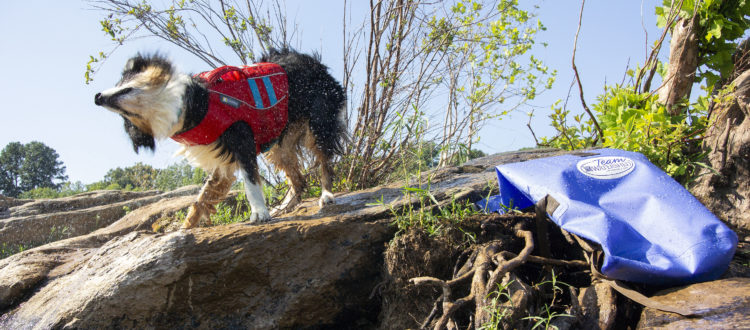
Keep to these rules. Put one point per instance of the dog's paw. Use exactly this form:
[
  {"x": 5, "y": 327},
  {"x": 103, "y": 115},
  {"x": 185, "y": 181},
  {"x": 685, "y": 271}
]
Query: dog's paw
[
  {"x": 259, "y": 216},
  {"x": 194, "y": 216},
  {"x": 326, "y": 198},
  {"x": 277, "y": 211}
]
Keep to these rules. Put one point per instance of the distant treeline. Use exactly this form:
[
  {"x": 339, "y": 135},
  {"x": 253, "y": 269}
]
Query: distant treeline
[
  {"x": 137, "y": 177},
  {"x": 33, "y": 170}
]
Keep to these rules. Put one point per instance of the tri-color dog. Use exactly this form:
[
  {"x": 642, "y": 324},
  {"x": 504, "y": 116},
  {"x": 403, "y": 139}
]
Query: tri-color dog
[{"x": 224, "y": 118}]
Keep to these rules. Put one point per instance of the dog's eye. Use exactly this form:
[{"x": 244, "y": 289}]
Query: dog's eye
[
  {"x": 122, "y": 92},
  {"x": 125, "y": 78}
]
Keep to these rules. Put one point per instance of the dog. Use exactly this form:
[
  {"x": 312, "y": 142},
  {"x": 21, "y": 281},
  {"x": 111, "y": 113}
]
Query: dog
[{"x": 293, "y": 103}]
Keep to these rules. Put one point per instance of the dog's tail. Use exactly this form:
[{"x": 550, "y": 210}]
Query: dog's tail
[
  {"x": 336, "y": 100},
  {"x": 340, "y": 131},
  {"x": 328, "y": 119}
]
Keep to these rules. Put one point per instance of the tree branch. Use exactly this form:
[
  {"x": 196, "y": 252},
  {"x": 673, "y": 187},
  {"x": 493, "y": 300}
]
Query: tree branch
[{"x": 578, "y": 78}]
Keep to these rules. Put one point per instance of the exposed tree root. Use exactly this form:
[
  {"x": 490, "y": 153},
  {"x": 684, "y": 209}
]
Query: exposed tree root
[{"x": 488, "y": 267}]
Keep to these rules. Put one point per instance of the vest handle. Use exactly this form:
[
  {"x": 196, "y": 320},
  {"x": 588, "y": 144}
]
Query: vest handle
[{"x": 217, "y": 73}]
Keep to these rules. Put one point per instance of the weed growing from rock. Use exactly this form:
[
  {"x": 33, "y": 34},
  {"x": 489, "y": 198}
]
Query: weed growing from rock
[
  {"x": 226, "y": 214},
  {"x": 56, "y": 233},
  {"x": 7, "y": 250}
]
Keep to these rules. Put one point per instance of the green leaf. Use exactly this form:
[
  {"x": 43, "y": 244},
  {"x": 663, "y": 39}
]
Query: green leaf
[{"x": 714, "y": 31}]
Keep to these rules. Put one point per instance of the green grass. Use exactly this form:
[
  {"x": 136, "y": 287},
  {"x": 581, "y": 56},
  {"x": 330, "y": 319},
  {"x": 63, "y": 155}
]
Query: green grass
[
  {"x": 7, "y": 250},
  {"x": 549, "y": 314},
  {"x": 546, "y": 319},
  {"x": 501, "y": 305},
  {"x": 429, "y": 215},
  {"x": 226, "y": 214},
  {"x": 498, "y": 309}
]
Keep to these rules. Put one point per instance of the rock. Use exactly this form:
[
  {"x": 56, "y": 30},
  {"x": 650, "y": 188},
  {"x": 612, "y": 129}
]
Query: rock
[
  {"x": 7, "y": 202},
  {"x": 76, "y": 202},
  {"x": 23, "y": 272},
  {"x": 313, "y": 272},
  {"x": 721, "y": 304},
  {"x": 520, "y": 296},
  {"x": 47, "y": 221},
  {"x": 725, "y": 190},
  {"x": 598, "y": 305}
]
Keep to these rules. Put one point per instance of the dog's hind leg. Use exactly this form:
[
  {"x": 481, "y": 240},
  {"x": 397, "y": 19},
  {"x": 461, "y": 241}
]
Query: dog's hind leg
[
  {"x": 325, "y": 141},
  {"x": 326, "y": 176},
  {"x": 285, "y": 156},
  {"x": 213, "y": 192}
]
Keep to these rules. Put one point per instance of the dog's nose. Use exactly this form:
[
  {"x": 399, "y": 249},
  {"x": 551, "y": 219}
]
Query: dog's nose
[{"x": 98, "y": 99}]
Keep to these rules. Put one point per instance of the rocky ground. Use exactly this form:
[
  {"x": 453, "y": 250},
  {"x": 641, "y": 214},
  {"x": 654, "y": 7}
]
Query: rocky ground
[{"x": 123, "y": 263}]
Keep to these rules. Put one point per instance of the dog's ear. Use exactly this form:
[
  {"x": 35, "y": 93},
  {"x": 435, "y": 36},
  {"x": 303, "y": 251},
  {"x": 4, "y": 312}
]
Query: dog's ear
[
  {"x": 140, "y": 62},
  {"x": 140, "y": 138},
  {"x": 134, "y": 64}
]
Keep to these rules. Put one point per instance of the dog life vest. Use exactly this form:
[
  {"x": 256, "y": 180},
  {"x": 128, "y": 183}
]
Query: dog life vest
[{"x": 257, "y": 94}]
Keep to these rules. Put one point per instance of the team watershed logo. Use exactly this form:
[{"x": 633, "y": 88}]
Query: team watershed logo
[{"x": 606, "y": 167}]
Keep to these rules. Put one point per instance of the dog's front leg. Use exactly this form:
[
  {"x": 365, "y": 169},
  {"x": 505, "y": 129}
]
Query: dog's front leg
[
  {"x": 213, "y": 192},
  {"x": 240, "y": 143},
  {"x": 254, "y": 192}
]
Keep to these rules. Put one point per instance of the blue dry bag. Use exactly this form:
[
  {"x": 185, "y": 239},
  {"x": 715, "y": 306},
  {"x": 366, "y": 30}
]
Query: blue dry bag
[{"x": 649, "y": 227}]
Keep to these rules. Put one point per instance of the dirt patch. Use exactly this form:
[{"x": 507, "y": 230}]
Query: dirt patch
[{"x": 410, "y": 255}]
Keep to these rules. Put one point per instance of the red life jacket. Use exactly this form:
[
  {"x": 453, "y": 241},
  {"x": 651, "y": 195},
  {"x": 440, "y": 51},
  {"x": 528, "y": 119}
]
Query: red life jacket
[{"x": 257, "y": 94}]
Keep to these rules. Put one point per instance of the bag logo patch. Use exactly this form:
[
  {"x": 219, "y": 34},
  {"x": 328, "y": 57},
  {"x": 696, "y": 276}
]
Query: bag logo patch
[{"x": 606, "y": 167}]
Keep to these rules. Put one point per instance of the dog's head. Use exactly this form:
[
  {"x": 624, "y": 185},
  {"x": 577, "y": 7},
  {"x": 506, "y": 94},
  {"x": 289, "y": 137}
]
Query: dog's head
[{"x": 148, "y": 97}]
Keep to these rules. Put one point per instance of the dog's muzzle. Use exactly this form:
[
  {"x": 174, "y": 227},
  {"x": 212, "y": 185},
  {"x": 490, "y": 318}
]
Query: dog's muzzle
[
  {"x": 110, "y": 102},
  {"x": 98, "y": 99}
]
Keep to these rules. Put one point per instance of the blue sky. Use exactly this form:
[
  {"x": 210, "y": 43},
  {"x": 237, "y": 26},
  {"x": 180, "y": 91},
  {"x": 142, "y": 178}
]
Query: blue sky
[{"x": 46, "y": 44}]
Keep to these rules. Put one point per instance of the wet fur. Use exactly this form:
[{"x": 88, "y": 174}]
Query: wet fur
[{"x": 156, "y": 103}]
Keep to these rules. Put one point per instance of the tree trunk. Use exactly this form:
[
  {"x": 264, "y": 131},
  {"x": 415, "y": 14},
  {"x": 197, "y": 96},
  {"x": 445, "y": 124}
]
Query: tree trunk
[
  {"x": 726, "y": 192},
  {"x": 683, "y": 62}
]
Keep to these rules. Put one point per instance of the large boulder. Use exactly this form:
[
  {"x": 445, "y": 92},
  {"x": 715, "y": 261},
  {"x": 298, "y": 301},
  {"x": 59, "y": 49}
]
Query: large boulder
[
  {"x": 722, "y": 304},
  {"x": 27, "y": 271},
  {"x": 288, "y": 274}
]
